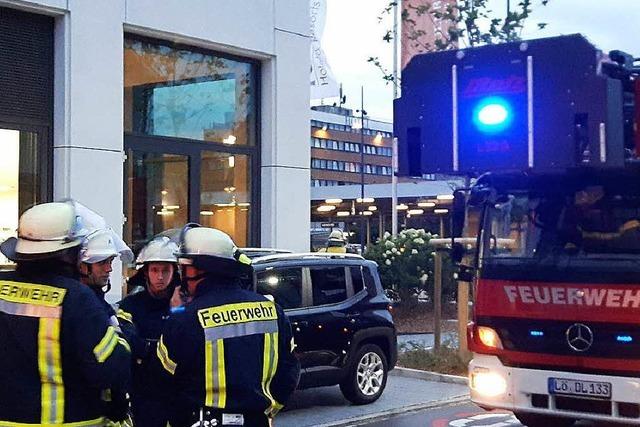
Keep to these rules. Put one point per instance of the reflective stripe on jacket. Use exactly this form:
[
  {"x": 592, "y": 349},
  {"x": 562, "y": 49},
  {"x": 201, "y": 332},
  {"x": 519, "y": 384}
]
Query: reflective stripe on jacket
[
  {"x": 230, "y": 349},
  {"x": 57, "y": 352}
]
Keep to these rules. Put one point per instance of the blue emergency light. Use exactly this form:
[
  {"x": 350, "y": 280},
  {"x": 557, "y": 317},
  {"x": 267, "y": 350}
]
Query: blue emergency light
[
  {"x": 492, "y": 114},
  {"x": 534, "y": 333},
  {"x": 624, "y": 338}
]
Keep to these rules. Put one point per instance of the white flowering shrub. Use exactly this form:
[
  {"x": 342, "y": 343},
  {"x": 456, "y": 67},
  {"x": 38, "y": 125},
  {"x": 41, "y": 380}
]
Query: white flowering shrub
[{"x": 406, "y": 262}]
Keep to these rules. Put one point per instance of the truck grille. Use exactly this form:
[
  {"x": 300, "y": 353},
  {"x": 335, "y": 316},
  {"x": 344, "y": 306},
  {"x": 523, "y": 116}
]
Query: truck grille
[
  {"x": 586, "y": 406},
  {"x": 615, "y": 341}
]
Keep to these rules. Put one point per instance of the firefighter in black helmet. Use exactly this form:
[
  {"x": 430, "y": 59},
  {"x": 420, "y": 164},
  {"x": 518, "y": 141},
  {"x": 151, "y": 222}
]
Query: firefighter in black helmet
[
  {"x": 57, "y": 347},
  {"x": 230, "y": 352}
]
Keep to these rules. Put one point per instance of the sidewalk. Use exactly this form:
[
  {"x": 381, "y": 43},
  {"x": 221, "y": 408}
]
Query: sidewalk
[{"x": 325, "y": 406}]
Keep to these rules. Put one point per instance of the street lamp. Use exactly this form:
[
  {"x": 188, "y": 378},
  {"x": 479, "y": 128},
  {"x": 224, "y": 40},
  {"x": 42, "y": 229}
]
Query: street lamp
[{"x": 362, "y": 114}]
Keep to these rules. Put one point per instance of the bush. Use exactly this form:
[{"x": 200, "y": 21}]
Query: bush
[
  {"x": 446, "y": 360},
  {"x": 406, "y": 262}
]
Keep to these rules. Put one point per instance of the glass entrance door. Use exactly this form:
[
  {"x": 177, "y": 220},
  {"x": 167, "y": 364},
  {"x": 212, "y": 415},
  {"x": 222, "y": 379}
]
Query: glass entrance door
[{"x": 23, "y": 177}]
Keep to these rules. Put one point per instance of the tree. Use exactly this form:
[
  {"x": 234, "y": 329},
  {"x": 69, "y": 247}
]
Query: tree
[{"x": 457, "y": 24}]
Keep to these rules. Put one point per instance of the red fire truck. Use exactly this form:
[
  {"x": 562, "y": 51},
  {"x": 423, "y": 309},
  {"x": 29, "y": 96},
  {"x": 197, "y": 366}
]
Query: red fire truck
[{"x": 547, "y": 130}]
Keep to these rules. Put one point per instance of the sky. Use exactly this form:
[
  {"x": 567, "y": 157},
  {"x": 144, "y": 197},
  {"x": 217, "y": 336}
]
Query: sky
[{"x": 352, "y": 33}]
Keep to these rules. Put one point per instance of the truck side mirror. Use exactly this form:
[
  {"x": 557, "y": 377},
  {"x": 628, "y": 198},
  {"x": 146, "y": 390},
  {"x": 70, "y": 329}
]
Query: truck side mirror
[
  {"x": 466, "y": 273},
  {"x": 458, "y": 213},
  {"x": 457, "y": 253}
]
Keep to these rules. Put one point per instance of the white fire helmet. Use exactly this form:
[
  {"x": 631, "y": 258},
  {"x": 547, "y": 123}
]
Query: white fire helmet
[
  {"x": 44, "y": 231},
  {"x": 103, "y": 244},
  {"x": 212, "y": 250},
  {"x": 337, "y": 236},
  {"x": 160, "y": 249}
]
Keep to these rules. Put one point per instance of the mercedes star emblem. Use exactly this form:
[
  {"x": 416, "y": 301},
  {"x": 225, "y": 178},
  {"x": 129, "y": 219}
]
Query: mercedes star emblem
[{"x": 579, "y": 337}]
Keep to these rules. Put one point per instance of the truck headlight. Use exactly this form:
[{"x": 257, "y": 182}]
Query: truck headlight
[{"x": 487, "y": 383}]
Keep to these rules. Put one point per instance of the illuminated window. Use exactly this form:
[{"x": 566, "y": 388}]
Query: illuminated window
[{"x": 190, "y": 120}]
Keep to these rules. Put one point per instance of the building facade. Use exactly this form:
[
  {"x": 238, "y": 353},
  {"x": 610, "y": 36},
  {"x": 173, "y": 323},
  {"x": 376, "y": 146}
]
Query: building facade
[
  {"x": 337, "y": 136},
  {"x": 155, "y": 114}
]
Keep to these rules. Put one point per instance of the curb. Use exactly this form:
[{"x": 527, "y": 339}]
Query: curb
[
  {"x": 428, "y": 376},
  {"x": 356, "y": 421}
]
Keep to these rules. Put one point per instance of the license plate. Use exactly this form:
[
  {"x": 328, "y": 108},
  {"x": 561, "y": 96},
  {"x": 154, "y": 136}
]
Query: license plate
[{"x": 580, "y": 388}]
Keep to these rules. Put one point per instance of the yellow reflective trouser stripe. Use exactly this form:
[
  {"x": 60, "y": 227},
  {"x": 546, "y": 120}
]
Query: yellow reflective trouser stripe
[
  {"x": 163, "y": 355},
  {"x": 50, "y": 368},
  {"x": 98, "y": 422},
  {"x": 105, "y": 347},
  {"x": 269, "y": 366},
  {"x": 215, "y": 374}
]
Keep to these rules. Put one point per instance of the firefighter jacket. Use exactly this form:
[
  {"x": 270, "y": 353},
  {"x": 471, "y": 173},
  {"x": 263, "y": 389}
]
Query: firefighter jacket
[
  {"x": 57, "y": 352},
  {"x": 116, "y": 400},
  {"x": 230, "y": 349},
  {"x": 147, "y": 314}
]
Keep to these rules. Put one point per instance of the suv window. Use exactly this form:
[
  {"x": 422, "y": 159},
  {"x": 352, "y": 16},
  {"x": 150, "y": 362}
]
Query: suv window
[
  {"x": 284, "y": 284},
  {"x": 329, "y": 285},
  {"x": 370, "y": 282},
  {"x": 356, "y": 279}
]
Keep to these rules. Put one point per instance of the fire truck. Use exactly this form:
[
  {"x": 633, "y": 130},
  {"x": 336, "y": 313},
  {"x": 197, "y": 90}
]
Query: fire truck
[{"x": 548, "y": 133}]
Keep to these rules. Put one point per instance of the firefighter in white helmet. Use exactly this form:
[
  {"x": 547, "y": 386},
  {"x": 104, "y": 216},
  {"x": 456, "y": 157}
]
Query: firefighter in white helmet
[
  {"x": 97, "y": 252},
  {"x": 58, "y": 349},
  {"x": 336, "y": 243},
  {"x": 148, "y": 311},
  {"x": 230, "y": 352}
]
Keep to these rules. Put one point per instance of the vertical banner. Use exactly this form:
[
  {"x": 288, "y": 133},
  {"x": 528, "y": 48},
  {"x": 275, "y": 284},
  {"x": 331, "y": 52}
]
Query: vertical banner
[{"x": 323, "y": 83}]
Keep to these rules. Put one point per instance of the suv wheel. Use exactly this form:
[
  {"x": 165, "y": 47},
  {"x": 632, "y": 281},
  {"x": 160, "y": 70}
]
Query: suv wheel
[{"x": 367, "y": 376}]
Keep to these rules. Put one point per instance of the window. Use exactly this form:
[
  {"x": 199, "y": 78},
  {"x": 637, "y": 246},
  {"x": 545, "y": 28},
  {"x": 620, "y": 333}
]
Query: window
[
  {"x": 329, "y": 285},
  {"x": 356, "y": 279},
  {"x": 159, "y": 182},
  {"x": 23, "y": 178},
  {"x": 191, "y": 135},
  {"x": 284, "y": 284},
  {"x": 26, "y": 116},
  {"x": 369, "y": 280},
  {"x": 185, "y": 93}
]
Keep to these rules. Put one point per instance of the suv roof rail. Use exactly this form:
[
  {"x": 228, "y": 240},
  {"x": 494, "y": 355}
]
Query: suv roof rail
[{"x": 305, "y": 255}]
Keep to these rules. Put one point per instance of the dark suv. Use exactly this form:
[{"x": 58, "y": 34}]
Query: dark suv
[{"x": 340, "y": 317}]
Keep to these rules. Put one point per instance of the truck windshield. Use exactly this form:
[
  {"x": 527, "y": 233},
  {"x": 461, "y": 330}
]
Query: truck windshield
[{"x": 587, "y": 223}]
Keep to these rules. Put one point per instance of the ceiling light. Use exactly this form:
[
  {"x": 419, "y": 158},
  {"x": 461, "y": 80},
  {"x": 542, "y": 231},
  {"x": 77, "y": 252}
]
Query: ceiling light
[
  {"x": 365, "y": 200},
  {"x": 426, "y": 204},
  {"x": 441, "y": 211},
  {"x": 342, "y": 213},
  {"x": 333, "y": 201},
  {"x": 416, "y": 211},
  {"x": 445, "y": 197},
  {"x": 367, "y": 213},
  {"x": 206, "y": 213},
  {"x": 326, "y": 208},
  {"x": 373, "y": 208},
  {"x": 402, "y": 207}
]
